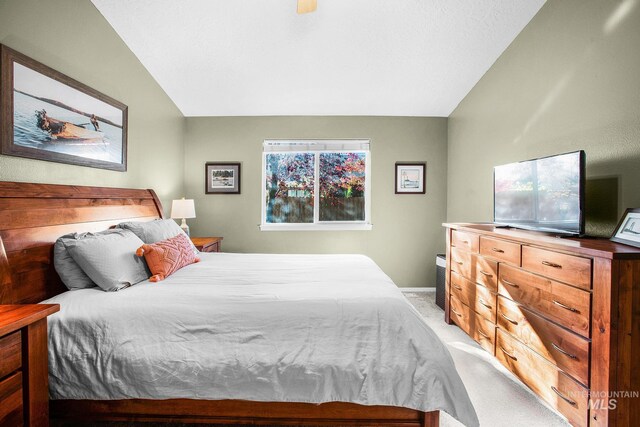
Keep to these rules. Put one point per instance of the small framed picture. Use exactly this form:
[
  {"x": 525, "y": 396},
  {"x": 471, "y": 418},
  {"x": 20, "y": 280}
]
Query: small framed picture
[
  {"x": 222, "y": 178},
  {"x": 411, "y": 178},
  {"x": 628, "y": 229}
]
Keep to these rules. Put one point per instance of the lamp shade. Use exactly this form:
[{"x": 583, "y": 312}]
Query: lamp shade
[{"x": 183, "y": 209}]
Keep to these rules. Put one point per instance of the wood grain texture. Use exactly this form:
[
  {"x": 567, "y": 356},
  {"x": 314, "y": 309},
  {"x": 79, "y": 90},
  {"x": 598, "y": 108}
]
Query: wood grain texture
[
  {"x": 570, "y": 269},
  {"x": 10, "y": 353},
  {"x": 207, "y": 244},
  {"x": 466, "y": 241},
  {"x": 241, "y": 412},
  {"x": 500, "y": 250},
  {"x": 33, "y": 216},
  {"x": 602, "y": 248},
  {"x": 564, "y": 304},
  {"x": 11, "y": 401},
  {"x": 479, "y": 298},
  {"x": 447, "y": 277},
  {"x": 565, "y": 349},
  {"x": 36, "y": 374},
  {"x": 569, "y": 397}
]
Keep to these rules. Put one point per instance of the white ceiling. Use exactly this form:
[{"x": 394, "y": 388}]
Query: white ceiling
[{"x": 351, "y": 57}]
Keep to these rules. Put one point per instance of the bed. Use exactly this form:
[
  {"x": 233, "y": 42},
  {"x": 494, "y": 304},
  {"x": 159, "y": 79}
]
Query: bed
[{"x": 267, "y": 304}]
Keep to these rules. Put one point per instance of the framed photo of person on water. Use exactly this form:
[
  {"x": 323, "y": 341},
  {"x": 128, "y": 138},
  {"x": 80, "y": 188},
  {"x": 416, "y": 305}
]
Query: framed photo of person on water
[
  {"x": 47, "y": 115},
  {"x": 222, "y": 178}
]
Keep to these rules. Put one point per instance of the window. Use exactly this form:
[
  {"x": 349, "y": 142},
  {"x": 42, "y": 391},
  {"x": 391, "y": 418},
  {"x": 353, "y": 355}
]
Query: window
[{"x": 316, "y": 185}]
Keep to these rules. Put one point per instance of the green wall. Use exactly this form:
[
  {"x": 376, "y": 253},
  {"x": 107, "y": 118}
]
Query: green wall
[
  {"x": 569, "y": 81},
  {"x": 407, "y": 230},
  {"x": 72, "y": 37}
]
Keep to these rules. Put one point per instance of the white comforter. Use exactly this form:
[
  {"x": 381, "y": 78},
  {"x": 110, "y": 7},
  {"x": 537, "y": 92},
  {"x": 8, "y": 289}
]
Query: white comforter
[{"x": 294, "y": 328}]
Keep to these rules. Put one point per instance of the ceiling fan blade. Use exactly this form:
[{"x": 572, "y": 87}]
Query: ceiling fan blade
[{"x": 306, "y": 6}]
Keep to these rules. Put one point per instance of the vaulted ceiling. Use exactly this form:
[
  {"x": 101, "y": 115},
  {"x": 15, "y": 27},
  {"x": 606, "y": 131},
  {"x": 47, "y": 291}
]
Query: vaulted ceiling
[{"x": 350, "y": 57}]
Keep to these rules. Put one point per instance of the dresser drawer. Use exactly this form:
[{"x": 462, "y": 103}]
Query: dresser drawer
[
  {"x": 11, "y": 401},
  {"x": 462, "y": 262},
  {"x": 558, "y": 389},
  {"x": 467, "y": 241},
  {"x": 563, "y": 304},
  {"x": 484, "y": 332},
  {"x": 486, "y": 272},
  {"x": 566, "y": 268},
  {"x": 566, "y": 350},
  {"x": 479, "y": 298},
  {"x": 461, "y": 314},
  {"x": 10, "y": 354},
  {"x": 474, "y": 325},
  {"x": 500, "y": 250}
]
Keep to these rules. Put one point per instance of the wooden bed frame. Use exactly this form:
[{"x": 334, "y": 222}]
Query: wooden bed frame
[{"x": 33, "y": 216}]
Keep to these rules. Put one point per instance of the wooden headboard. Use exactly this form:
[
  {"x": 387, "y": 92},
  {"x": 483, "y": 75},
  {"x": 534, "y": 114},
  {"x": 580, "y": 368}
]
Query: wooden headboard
[{"x": 33, "y": 216}]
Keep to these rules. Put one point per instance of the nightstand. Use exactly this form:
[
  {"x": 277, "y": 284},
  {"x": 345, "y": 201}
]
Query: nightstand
[
  {"x": 24, "y": 369},
  {"x": 207, "y": 244}
]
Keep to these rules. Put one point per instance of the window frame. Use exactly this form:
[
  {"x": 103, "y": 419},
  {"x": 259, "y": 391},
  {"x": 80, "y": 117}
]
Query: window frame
[{"x": 318, "y": 225}]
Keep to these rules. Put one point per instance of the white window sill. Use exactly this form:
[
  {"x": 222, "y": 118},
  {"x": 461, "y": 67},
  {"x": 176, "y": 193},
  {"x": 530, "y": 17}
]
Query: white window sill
[{"x": 316, "y": 227}]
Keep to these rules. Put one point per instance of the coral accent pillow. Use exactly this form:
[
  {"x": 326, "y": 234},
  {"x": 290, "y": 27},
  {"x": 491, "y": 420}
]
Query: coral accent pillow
[{"x": 167, "y": 256}]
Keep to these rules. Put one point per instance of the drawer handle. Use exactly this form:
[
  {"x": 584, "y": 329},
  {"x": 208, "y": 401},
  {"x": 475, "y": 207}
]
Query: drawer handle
[
  {"x": 486, "y": 274},
  {"x": 566, "y": 399},
  {"x": 456, "y": 286},
  {"x": 483, "y": 334},
  {"x": 459, "y": 262},
  {"x": 513, "y": 285},
  {"x": 456, "y": 313},
  {"x": 481, "y": 301},
  {"x": 507, "y": 353},
  {"x": 564, "y": 351},
  {"x": 551, "y": 264},
  {"x": 566, "y": 307},
  {"x": 500, "y": 251},
  {"x": 509, "y": 319},
  {"x": 466, "y": 242}
]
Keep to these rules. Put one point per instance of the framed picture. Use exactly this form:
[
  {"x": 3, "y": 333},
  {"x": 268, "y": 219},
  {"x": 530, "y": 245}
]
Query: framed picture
[
  {"x": 46, "y": 115},
  {"x": 628, "y": 229},
  {"x": 411, "y": 178},
  {"x": 222, "y": 178}
]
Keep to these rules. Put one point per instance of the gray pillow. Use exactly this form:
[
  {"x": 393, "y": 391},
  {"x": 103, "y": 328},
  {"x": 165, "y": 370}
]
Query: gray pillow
[
  {"x": 69, "y": 271},
  {"x": 155, "y": 231},
  {"x": 109, "y": 258}
]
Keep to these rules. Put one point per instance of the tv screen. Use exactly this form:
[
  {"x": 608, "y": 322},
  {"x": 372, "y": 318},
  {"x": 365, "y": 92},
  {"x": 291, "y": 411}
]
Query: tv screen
[{"x": 542, "y": 194}]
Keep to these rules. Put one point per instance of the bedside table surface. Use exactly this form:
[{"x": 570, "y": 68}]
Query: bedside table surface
[
  {"x": 204, "y": 241},
  {"x": 16, "y": 316}
]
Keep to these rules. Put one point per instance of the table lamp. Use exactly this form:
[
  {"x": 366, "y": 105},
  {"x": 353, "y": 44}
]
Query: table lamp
[{"x": 183, "y": 209}]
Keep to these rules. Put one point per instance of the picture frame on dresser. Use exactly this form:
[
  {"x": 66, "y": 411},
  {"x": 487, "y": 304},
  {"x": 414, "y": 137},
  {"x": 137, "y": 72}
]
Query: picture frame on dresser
[
  {"x": 628, "y": 229},
  {"x": 47, "y": 115}
]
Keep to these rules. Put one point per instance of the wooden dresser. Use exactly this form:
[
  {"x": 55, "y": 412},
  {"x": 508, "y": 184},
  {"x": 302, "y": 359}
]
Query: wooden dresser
[
  {"x": 562, "y": 314},
  {"x": 24, "y": 382}
]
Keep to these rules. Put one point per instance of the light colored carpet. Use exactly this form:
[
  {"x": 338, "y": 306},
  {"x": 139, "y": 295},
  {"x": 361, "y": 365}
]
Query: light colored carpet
[{"x": 499, "y": 397}]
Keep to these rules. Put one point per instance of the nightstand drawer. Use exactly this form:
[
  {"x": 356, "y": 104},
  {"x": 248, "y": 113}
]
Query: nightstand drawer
[
  {"x": 10, "y": 354},
  {"x": 207, "y": 244},
  {"x": 11, "y": 401}
]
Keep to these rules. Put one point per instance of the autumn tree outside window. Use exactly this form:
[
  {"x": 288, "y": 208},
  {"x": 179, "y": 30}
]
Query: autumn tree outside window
[{"x": 316, "y": 185}]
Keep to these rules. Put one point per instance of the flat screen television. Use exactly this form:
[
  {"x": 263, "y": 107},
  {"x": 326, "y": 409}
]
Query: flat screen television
[{"x": 545, "y": 194}]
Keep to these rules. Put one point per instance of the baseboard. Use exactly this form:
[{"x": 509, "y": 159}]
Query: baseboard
[{"x": 418, "y": 289}]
